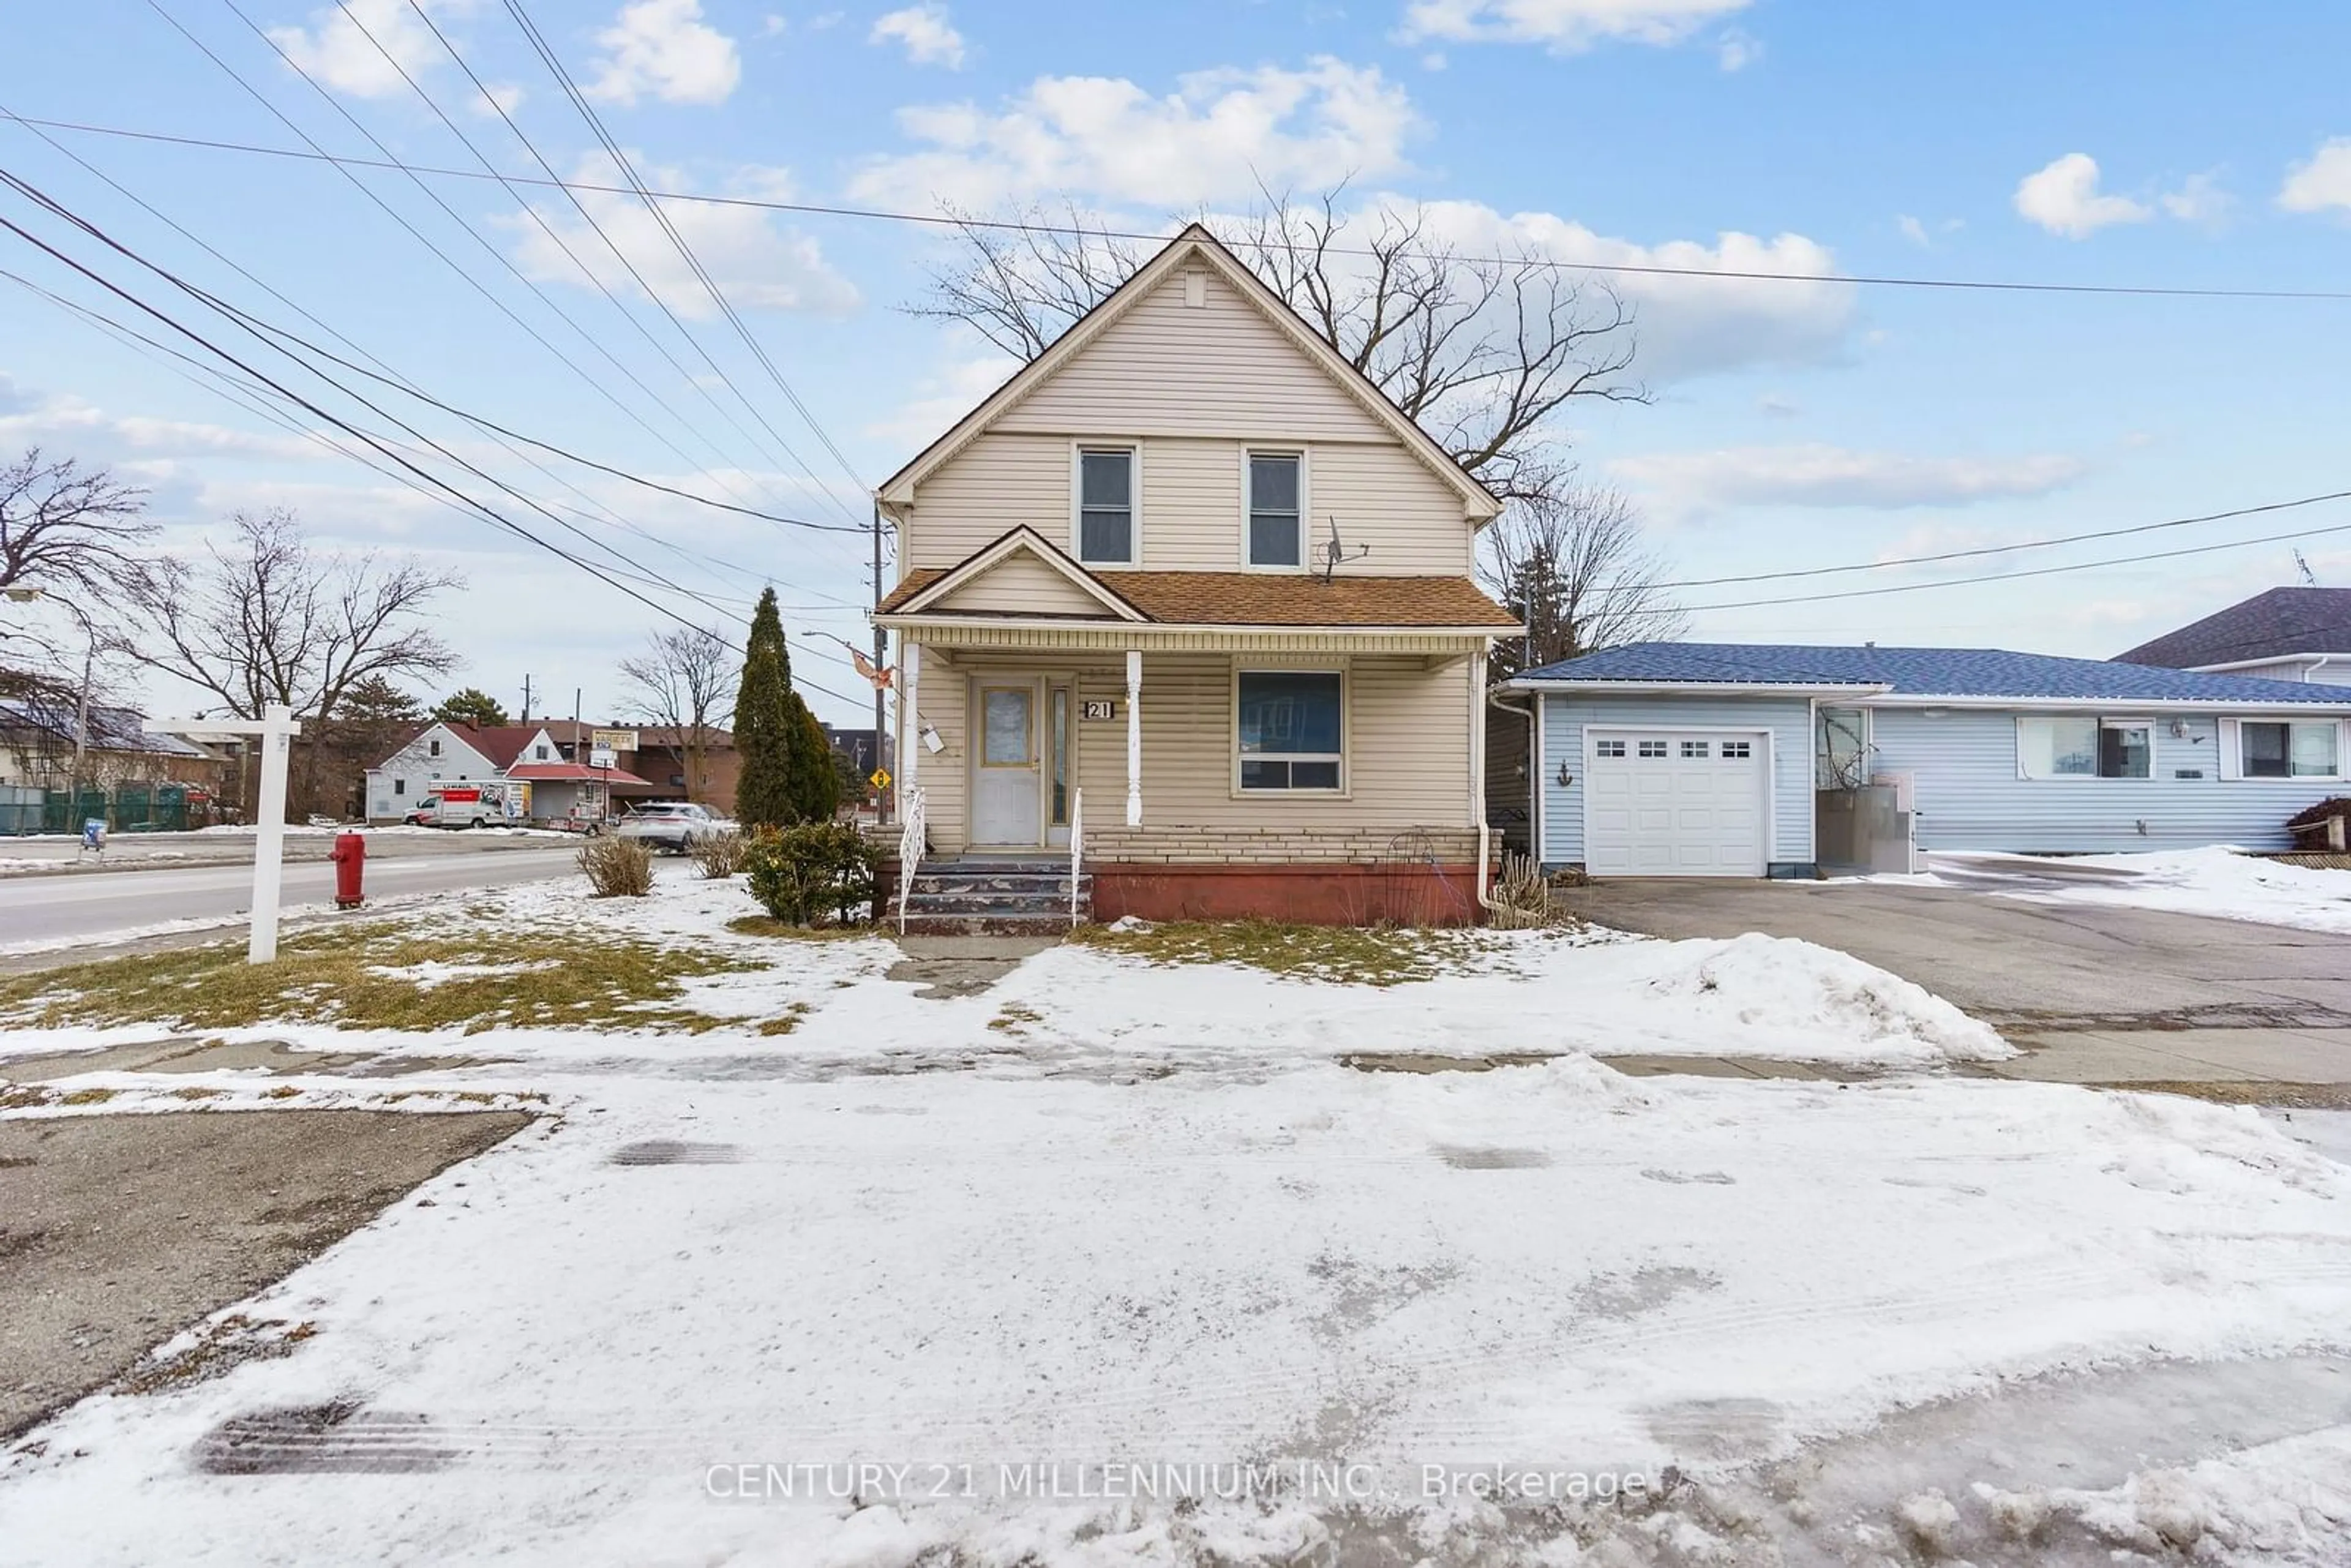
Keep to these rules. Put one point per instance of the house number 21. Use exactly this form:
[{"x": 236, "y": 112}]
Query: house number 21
[{"x": 1098, "y": 708}]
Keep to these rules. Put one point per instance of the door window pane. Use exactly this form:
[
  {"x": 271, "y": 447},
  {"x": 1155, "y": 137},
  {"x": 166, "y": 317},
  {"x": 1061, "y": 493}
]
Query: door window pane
[
  {"x": 1106, "y": 506},
  {"x": 1274, "y": 519},
  {"x": 1006, "y": 727},
  {"x": 1060, "y": 757}
]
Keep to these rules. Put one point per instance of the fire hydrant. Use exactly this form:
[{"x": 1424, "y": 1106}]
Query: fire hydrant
[{"x": 349, "y": 855}]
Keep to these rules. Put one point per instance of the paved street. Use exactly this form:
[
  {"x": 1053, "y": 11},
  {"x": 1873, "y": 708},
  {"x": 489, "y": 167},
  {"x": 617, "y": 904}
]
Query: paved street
[
  {"x": 98, "y": 905},
  {"x": 2095, "y": 994}
]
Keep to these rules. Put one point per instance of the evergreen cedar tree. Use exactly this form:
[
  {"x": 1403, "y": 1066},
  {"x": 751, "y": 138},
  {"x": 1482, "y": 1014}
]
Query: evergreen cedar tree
[
  {"x": 788, "y": 773},
  {"x": 473, "y": 704}
]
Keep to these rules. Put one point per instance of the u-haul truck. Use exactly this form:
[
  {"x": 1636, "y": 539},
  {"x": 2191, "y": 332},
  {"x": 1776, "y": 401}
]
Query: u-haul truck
[{"x": 491, "y": 803}]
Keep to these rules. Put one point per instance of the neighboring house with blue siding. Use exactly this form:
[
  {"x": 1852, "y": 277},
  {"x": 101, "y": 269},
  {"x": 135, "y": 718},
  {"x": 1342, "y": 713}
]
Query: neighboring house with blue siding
[{"x": 1722, "y": 759}]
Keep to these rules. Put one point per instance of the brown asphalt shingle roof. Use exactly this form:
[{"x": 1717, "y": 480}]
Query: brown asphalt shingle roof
[{"x": 1275, "y": 598}]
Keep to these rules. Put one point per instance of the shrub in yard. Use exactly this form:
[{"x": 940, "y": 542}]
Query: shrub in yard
[
  {"x": 618, "y": 868},
  {"x": 815, "y": 869},
  {"x": 720, "y": 854}
]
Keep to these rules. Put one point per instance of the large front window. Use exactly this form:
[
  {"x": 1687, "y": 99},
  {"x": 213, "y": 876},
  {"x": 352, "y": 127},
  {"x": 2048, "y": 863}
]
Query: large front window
[
  {"x": 1290, "y": 727},
  {"x": 2069, "y": 747},
  {"x": 1106, "y": 504},
  {"x": 2286, "y": 750},
  {"x": 1273, "y": 508}
]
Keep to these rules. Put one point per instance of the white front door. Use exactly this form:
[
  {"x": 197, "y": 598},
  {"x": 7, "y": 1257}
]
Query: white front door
[
  {"x": 1676, "y": 803},
  {"x": 1006, "y": 794}
]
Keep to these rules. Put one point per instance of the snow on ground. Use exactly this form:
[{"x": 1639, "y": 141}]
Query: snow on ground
[
  {"x": 1109, "y": 1223},
  {"x": 2218, "y": 881}
]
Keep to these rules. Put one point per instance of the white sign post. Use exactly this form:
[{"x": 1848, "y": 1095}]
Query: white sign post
[{"x": 275, "y": 731}]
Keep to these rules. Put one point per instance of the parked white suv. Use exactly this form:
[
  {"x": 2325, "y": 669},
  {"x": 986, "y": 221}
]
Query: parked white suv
[{"x": 673, "y": 825}]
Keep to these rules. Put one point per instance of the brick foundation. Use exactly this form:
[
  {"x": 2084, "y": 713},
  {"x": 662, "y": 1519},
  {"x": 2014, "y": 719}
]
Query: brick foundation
[{"x": 1332, "y": 895}]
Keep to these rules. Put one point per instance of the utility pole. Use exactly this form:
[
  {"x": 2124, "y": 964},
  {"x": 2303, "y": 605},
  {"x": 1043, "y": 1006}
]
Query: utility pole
[
  {"x": 525, "y": 700},
  {"x": 881, "y": 660}
]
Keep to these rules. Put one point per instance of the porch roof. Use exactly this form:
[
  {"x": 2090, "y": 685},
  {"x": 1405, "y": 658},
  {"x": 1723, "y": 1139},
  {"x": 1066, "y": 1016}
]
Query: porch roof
[{"x": 1303, "y": 602}]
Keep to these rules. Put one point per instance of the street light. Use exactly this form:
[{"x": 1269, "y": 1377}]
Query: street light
[{"x": 89, "y": 659}]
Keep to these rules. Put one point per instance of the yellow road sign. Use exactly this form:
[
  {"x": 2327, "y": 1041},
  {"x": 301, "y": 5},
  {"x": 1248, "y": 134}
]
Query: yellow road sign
[{"x": 879, "y": 779}]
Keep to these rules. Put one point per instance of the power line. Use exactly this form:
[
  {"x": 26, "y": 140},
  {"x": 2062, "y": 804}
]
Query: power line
[
  {"x": 621, "y": 161},
  {"x": 814, "y": 209},
  {"x": 2039, "y": 571},
  {"x": 500, "y": 305},
  {"x": 393, "y": 379},
  {"x": 2005, "y": 549}
]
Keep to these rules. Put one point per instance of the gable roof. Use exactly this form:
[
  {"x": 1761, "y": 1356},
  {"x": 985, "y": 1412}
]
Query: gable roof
[
  {"x": 1196, "y": 243},
  {"x": 2281, "y": 622},
  {"x": 500, "y": 744},
  {"x": 913, "y": 598},
  {"x": 1959, "y": 673}
]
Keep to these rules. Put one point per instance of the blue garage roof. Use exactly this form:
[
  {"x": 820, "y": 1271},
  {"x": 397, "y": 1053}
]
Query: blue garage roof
[{"x": 1924, "y": 672}]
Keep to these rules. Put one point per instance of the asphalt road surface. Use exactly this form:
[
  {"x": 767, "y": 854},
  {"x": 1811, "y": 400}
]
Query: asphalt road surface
[{"x": 114, "y": 905}]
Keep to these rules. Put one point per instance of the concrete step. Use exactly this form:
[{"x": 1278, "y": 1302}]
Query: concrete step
[
  {"x": 1000, "y": 865},
  {"x": 982, "y": 899},
  {"x": 1025, "y": 882},
  {"x": 922, "y": 923}
]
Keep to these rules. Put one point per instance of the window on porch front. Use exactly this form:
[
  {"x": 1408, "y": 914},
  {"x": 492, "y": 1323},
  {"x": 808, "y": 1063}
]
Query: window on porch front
[{"x": 1290, "y": 728}]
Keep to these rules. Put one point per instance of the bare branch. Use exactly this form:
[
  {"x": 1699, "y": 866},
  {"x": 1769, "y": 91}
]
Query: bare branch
[
  {"x": 1571, "y": 562},
  {"x": 682, "y": 681}
]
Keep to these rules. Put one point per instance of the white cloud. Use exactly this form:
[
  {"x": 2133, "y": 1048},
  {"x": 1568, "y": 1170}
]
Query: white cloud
[
  {"x": 1913, "y": 230},
  {"x": 928, "y": 37},
  {"x": 1690, "y": 484},
  {"x": 337, "y": 48},
  {"x": 1564, "y": 27},
  {"x": 1214, "y": 139},
  {"x": 662, "y": 47},
  {"x": 1735, "y": 50},
  {"x": 2065, "y": 199},
  {"x": 753, "y": 262},
  {"x": 35, "y": 419},
  {"x": 2321, "y": 180},
  {"x": 942, "y": 398},
  {"x": 1686, "y": 325},
  {"x": 2198, "y": 200}
]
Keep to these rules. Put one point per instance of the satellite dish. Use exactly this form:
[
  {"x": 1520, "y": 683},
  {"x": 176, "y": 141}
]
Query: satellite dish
[{"x": 1336, "y": 552}]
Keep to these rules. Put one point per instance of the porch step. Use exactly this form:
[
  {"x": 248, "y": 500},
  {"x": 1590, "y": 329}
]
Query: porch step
[{"x": 1006, "y": 897}]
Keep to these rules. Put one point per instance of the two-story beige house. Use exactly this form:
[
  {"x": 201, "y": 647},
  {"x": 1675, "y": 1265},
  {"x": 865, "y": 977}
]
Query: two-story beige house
[{"x": 1121, "y": 619}]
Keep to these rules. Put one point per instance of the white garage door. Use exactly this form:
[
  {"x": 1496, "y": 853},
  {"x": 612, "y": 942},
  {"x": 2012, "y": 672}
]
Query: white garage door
[{"x": 1676, "y": 802}]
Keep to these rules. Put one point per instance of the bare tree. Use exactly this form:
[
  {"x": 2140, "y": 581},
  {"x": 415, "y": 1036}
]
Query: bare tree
[
  {"x": 68, "y": 529},
  {"x": 1572, "y": 564},
  {"x": 1481, "y": 352},
  {"x": 267, "y": 622},
  {"x": 680, "y": 681}
]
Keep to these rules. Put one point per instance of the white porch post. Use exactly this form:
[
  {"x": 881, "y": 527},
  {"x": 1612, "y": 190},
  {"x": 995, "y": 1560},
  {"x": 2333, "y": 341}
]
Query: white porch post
[
  {"x": 1135, "y": 737},
  {"x": 910, "y": 722}
]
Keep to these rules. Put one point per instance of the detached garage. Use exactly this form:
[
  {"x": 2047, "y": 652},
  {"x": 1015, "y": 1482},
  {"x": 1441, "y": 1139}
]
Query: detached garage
[{"x": 1721, "y": 760}]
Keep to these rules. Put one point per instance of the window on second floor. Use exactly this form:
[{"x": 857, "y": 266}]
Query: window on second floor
[
  {"x": 434, "y": 748},
  {"x": 539, "y": 753},
  {"x": 1106, "y": 506},
  {"x": 1276, "y": 531}
]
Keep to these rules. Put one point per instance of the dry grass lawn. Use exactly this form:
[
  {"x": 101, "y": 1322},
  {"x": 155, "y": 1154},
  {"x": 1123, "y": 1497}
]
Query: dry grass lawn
[
  {"x": 382, "y": 976},
  {"x": 1346, "y": 954}
]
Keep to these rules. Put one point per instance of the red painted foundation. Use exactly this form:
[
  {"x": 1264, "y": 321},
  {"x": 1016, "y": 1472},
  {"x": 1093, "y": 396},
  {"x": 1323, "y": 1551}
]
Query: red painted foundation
[{"x": 1334, "y": 895}]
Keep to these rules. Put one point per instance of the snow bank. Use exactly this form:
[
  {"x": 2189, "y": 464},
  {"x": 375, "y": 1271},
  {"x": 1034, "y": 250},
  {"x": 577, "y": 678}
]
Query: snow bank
[{"x": 2218, "y": 881}]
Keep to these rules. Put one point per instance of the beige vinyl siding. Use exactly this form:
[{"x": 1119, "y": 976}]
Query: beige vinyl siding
[
  {"x": 1021, "y": 584},
  {"x": 1384, "y": 497},
  {"x": 995, "y": 484},
  {"x": 1164, "y": 368},
  {"x": 1407, "y": 730}
]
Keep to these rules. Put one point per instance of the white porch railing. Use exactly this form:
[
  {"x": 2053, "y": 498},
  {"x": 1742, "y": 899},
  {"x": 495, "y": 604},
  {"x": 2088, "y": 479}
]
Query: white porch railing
[
  {"x": 909, "y": 851},
  {"x": 1077, "y": 848}
]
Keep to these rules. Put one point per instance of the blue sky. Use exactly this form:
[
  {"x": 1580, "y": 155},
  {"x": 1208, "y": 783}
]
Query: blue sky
[{"x": 1793, "y": 425}]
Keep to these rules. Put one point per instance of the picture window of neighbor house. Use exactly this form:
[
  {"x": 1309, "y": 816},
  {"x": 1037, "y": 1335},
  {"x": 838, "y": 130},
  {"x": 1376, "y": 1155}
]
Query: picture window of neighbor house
[
  {"x": 2284, "y": 750},
  {"x": 1107, "y": 504},
  {"x": 2070, "y": 748},
  {"x": 1273, "y": 508},
  {"x": 1290, "y": 724}
]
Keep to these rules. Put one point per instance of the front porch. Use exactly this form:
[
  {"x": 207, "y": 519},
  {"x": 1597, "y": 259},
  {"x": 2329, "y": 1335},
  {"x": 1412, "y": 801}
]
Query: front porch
[{"x": 1326, "y": 777}]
